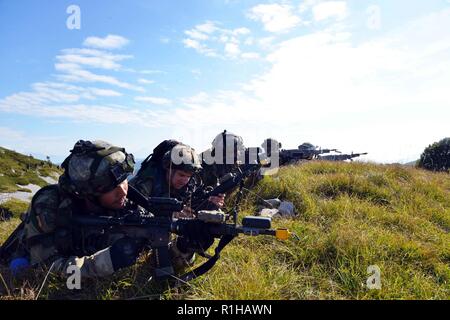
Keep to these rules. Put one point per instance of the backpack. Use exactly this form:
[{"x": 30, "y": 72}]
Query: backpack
[
  {"x": 14, "y": 245},
  {"x": 155, "y": 158}
]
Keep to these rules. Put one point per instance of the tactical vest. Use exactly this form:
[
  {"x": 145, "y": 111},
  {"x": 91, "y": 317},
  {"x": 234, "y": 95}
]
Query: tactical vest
[{"x": 68, "y": 238}]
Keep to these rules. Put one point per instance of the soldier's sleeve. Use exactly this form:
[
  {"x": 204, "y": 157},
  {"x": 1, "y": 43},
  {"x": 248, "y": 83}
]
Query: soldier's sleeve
[
  {"x": 42, "y": 250},
  {"x": 95, "y": 266},
  {"x": 100, "y": 264}
]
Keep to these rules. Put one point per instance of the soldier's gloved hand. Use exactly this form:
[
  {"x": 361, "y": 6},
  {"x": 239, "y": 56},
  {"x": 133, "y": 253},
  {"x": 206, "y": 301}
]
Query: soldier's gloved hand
[
  {"x": 196, "y": 237},
  {"x": 218, "y": 200},
  {"x": 124, "y": 252}
]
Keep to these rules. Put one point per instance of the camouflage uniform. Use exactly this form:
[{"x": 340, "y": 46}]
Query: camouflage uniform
[
  {"x": 48, "y": 238},
  {"x": 152, "y": 182},
  {"x": 89, "y": 248},
  {"x": 211, "y": 174},
  {"x": 90, "y": 252},
  {"x": 225, "y": 146}
]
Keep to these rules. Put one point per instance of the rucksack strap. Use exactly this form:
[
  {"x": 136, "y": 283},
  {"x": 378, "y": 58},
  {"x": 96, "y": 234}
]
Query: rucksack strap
[
  {"x": 155, "y": 158},
  {"x": 205, "y": 267},
  {"x": 145, "y": 163}
]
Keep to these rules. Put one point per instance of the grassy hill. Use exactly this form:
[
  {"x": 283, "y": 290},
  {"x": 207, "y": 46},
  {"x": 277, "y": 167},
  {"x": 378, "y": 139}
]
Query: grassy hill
[
  {"x": 350, "y": 216},
  {"x": 412, "y": 163},
  {"x": 18, "y": 169}
]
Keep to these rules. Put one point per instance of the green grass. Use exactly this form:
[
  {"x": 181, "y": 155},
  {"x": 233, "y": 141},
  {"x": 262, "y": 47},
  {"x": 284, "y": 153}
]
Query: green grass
[
  {"x": 17, "y": 207},
  {"x": 18, "y": 169},
  {"x": 349, "y": 216}
]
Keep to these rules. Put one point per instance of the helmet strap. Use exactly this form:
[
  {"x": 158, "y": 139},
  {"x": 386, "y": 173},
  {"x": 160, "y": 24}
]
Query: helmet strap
[{"x": 170, "y": 176}]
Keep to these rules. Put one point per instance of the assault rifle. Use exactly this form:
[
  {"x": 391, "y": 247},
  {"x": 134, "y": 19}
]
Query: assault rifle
[
  {"x": 199, "y": 198},
  {"x": 156, "y": 230},
  {"x": 305, "y": 151},
  {"x": 341, "y": 157}
]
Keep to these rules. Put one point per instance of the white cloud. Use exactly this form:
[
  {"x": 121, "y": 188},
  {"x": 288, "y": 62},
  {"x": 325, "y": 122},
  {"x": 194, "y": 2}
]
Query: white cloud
[
  {"x": 266, "y": 42},
  {"x": 154, "y": 100},
  {"x": 249, "y": 41},
  {"x": 63, "y": 100},
  {"x": 387, "y": 96},
  {"x": 194, "y": 44},
  {"x": 146, "y": 81},
  {"x": 306, "y": 5},
  {"x": 224, "y": 39},
  {"x": 250, "y": 55},
  {"x": 72, "y": 64},
  {"x": 207, "y": 27},
  {"x": 91, "y": 58},
  {"x": 150, "y": 71},
  {"x": 55, "y": 92},
  {"x": 231, "y": 49},
  {"x": 74, "y": 73},
  {"x": 90, "y": 61},
  {"x": 200, "y": 98},
  {"x": 105, "y": 92},
  {"x": 275, "y": 17},
  {"x": 109, "y": 42},
  {"x": 48, "y": 93},
  {"x": 330, "y": 9},
  {"x": 76, "y": 112},
  {"x": 241, "y": 31},
  {"x": 211, "y": 40},
  {"x": 31, "y": 104},
  {"x": 195, "y": 34},
  {"x": 189, "y": 43}
]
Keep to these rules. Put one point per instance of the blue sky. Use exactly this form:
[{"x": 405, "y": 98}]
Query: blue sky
[{"x": 362, "y": 76}]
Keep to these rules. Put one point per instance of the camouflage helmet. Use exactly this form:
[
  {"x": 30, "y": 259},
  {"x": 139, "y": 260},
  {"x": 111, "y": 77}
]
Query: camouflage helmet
[
  {"x": 228, "y": 142},
  {"x": 306, "y": 146},
  {"x": 182, "y": 157},
  {"x": 94, "y": 168}
]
